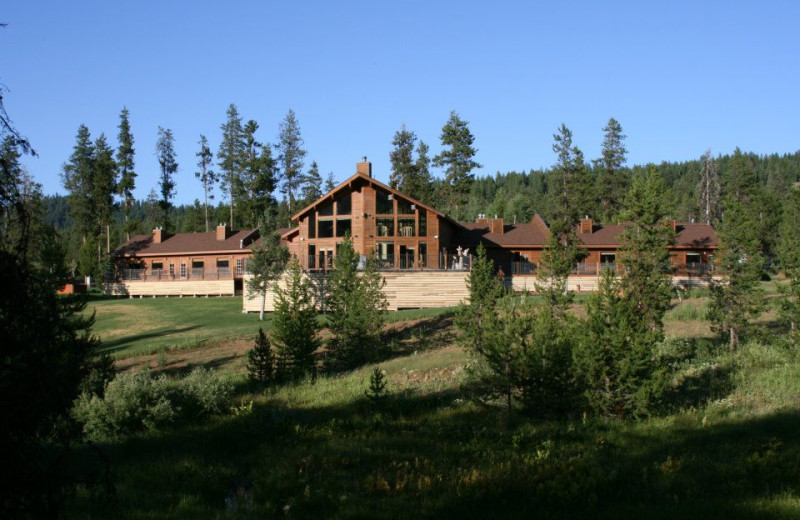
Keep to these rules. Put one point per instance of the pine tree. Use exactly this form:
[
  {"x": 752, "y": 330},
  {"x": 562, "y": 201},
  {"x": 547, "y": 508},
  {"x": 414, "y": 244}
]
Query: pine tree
[
  {"x": 229, "y": 156},
  {"x": 257, "y": 181},
  {"x": 261, "y": 361},
  {"x": 644, "y": 252},
  {"x": 294, "y": 324},
  {"x": 312, "y": 185},
  {"x": 789, "y": 257},
  {"x": 708, "y": 190},
  {"x": 612, "y": 178},
  {"x": 739, "y": 299},
  {"x": 356, "y": 308},
  {"x": 739, "y": 181},
  {"x": 208, "y": 178},
  {"x": 570, "y": 185},
  {"x": 126, "y": 167},
  {"x": 165, "y": 151},
  {"x": 268, "y": 261},
  {"x": 421, "y": 187},
  {"x": 78, "y": 179},
  {"x": 290, "y": 158},
  {"x": 104, "y": 185},
  {"x": 330, "y": 183},
  {"x": 457, "y": 160},
  {"x": 402, "y": 160}
]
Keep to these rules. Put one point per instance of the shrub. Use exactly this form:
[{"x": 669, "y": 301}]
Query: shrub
[
  {"x": 141, "y": 402},
  {"x": 101, "y": 372},
  {"x": 260, "y": 361},
  {"x": 377, "y": 391}
]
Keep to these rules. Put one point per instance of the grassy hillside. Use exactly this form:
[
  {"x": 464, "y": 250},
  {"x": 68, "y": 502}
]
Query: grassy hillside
[{"x": 724, "y": 446}]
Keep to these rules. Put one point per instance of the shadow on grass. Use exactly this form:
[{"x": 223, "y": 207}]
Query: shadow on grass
[
  {"x": 109, "y": 347},
  {"x": 432, "y": 455}
]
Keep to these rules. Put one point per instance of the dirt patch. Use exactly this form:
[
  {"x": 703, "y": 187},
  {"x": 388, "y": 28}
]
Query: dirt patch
[{"x": 227, "y": 354}]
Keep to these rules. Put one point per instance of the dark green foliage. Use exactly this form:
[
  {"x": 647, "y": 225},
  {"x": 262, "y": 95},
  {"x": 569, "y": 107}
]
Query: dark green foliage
[
  {"x": 457, "y": 160},
  {"x": 570, "y": 184},
  {"x": 291, "y": 157},
  {"x": 473, "y": 318},
  {"x": 100, "y": 372},
  {"x": 268, "y": 261},
  {"x": 612, "y": 177},
  {"x": 104, "y": 184},
  {"x": 44, "y": 350},
  {"x": 378, "y": 391},
  {"x": 261, "y": 361},
  {"x": 356, "y": 309},
  {"x": 78, "y": 178},
  {"x": 208, "y": 178},
  {"x": 789, "y": 257},
  {"x": 312, "y": 185},
  {"x": 165, "y": 151},
  {"x": 257, "y": 179},
  {"x": 402, "y": 159},
  {"x": 229, "y": 156},
  {"x": 330, "y": 183},
  {"x": 294, "y": 326},
  {"x": 739, "y": 298},
  {"x": 126, "y": 163}
]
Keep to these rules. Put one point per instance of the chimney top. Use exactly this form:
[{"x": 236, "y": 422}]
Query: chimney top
[{"x": 364, "y": 167}]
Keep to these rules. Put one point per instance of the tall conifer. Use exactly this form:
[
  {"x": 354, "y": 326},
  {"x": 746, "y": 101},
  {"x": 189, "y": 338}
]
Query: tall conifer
[
  {"x": 165, "y": 151},
  {"x": 457, "y": 159},
  {"x": 229, "y": 156},
  {"x": 126, "y": 166},
  {"x": 291, "y": 156}
]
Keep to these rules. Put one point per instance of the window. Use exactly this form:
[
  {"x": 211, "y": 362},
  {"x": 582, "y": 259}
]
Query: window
[
  {"x": 325, "y": 228},
  {"x": 326, "y": 210},
  {"x": 383, "y": 203},
  {"x": 312, "y": 253},
  {"x": 406, "y": 227},
  {"x": 385, "y": 227},
  {"x": 423, "y": 223},
  {"x": 384, "y": 251},
  {"x": 183, "y": 269},
  {"x": 312, "y": 225},
  {"x": 423, "y": 254},
  {"x": 607, "y": 260},
  {"x": 171, "y": 270},
  {"x": 343, "y": 205},
  {"x": 343, "y": 225},
  {"x": 693, "y": 259},
  {"x": 404, "y": 207},
  {"x": 223, "y": 266},
  {"x": 197, "y": 267},
  {"x": 239, "y": 266},
  {"x": 156, "y": 267}
]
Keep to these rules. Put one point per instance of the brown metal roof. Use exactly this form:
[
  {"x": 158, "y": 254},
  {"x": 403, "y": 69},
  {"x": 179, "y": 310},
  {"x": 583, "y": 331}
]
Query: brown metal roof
[
  {"x": 687, "y": 235},
  {"x": 186, "y": 243}
]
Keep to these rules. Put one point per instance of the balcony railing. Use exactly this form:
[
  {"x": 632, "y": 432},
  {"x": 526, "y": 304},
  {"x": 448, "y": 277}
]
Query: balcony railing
[
  {"x": 405, "y": 262},
  {"x": 161, "y": 275}
]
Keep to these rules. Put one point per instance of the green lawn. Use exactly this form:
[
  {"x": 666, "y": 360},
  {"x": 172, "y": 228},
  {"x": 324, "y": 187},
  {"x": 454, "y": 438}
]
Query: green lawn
[{"x": 130, "y": 327}]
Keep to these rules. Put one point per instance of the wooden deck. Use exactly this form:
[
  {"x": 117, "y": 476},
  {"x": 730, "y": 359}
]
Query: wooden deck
[{"x": 181, "y": 289}]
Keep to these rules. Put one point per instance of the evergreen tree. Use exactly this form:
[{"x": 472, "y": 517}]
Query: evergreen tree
[
  {"x": 268, "y": 261},
  {"x": 229, "y": 156},
  {"x": 402, "y": 160},
  {"x": 740, "y": 181},
  {"x": 257, "y": 180},
  {"x": 165, "y": 151},
  {"x": 708, "y": 190},
  {"x": 312, "y": 185},
  {"x": 208, "y": 178},
  {"x": 644, "y": 253},
  {"x": 612, "y": 178},
  {"x": 789, "y": 257},
  {"x": 570, "y": 183},
  {"x": 330, "y": 183},
  {"x": 261, "y": 361},
  {"x": 740, "y": 298},
  {"x": 290, "y": 158},
  {"x": 457, "y": 160},
  {"x": 294, "y": 325},
  {"x": 104, "y": 185},
  {"x": 78, "y": 178},
  {"x": 421, "y": 187},
  {"x": 356, "y": 308},
  {"x": 126, "y": 167}
]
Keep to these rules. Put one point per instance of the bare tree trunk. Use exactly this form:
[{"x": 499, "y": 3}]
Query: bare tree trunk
[
  {"x": 263, "y": 305},
  {"x": 205, "y": 193},
  {"x": 734, "y": 340}
]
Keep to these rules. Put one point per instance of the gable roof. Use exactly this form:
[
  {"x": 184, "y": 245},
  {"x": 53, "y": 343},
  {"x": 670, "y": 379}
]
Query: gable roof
[
  {"x": 369, "y": 180},
  {"x": 687, "y": 235},
  {"x": 188, "y": 243}
]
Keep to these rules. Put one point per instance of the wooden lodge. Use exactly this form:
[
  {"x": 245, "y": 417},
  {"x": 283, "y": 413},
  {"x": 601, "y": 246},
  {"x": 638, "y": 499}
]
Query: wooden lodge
[{"x": 414, "y": 243}]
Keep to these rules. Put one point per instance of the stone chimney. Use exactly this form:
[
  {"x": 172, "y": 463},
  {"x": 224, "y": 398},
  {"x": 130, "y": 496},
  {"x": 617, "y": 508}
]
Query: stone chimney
[
  {"x": 222, "y": 232},
  {"x": 496, "y": 225},
  {"x": 158, "y": 235},
  {"x": 586, "y": 225},
  {"x": 364, "y": 167}
]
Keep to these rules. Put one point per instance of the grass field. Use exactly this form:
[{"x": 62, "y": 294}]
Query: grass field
[{"x": 322, "y": 450}]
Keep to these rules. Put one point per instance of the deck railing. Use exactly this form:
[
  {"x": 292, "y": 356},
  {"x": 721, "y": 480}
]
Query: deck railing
[
  {"x": 162, "y": 275},
  {"x": 404, "y": 262}
]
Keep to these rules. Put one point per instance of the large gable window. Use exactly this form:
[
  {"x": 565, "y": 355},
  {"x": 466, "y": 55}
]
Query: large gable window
[
  {"x": 325, "y": 229},
  {"x": 384, "y": 205},
  {"x": 344, "y": 204},
  {"x": 343, "y": 226},
  {"x": 326, "y": 209}
]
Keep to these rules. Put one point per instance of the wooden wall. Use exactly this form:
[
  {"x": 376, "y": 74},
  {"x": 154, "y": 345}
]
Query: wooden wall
[{"x": 180, "y": 288}]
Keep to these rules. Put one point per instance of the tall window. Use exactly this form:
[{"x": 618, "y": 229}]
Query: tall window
[
  {"x": 183, "y": 269},
  {"x": 404, "y": 207},
  {"x": 343, "y": 225},
  {"x": 312, "y": 225},
  {"x": 171, "y": 269},
  {"x": 312, "y": 256},
  {"x": 423, "y": 254},
  {"x": 423, "y": 223},
  {"x": 343, "y": 204},
  {"x": 326, "y": 210},
  {"x": 385, "y": 227},
  {"x": 325, "y": 228},
  {"x": 239, "y": 266},
  {"x": 383, "y": 203},
  {"x": 406, "y": 227},
  {"x": 384, "y": 251}
]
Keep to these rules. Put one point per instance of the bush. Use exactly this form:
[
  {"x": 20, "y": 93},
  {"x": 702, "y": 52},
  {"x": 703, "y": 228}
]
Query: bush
[
  {"x": 260, "y": 360},
  {"x": 141, "y": 402}
]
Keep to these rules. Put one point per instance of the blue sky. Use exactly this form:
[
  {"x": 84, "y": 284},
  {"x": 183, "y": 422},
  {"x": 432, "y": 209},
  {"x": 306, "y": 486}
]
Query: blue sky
[{"x": 680, "y": 76}]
